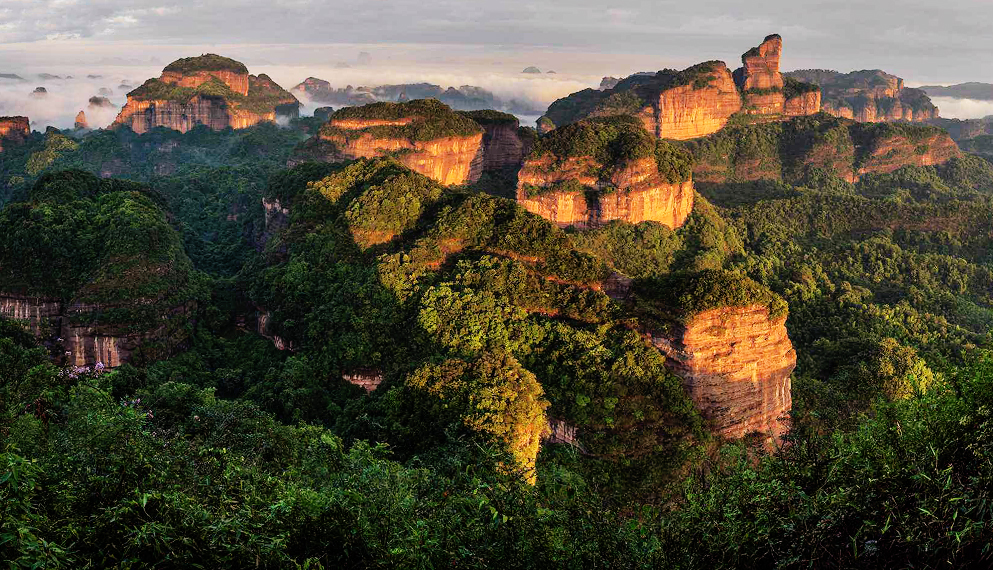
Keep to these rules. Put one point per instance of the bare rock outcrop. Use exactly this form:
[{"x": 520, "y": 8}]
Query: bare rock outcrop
[
  {"x": 14, "y": 130},
  {"x": 696, "y": 101},
  {"x": 735, "y": 363},
  {"x": 504, "y": 147},
  {"x": 81, "y": 122},
  {"x": 869, "y": 96},
  {"x": 725, "y": 336},
  {"x": 425, "y": 135},
  {"x": 564, "y": 181},
  {"x": 208, "y": 90}
]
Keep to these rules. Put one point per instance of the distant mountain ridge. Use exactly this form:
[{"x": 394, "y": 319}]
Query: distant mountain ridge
[{"x": 970, "y": 90}]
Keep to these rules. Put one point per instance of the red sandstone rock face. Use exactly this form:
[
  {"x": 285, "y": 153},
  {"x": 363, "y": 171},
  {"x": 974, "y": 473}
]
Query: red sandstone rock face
[
  {"x": 14, "y": 130},
  {"x": 761, "y": 65},
  {"x": 448, "y": 160},
  {"x": 368, "y": 380},
  {"x": 802, "y": 105},
  {"x": 633, "y": 193},
  {"x": 687, "y": 112},
  {"x": 49, "y": 320},
  {"x": 142, "y": 116},
  {"x": 216, "y": 112},
  {"x": 735, "y": 364},
  {"x": 81, "y": 122}
]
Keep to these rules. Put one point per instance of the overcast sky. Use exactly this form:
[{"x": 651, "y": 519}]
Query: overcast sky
[{"x": 923, "y": 41}]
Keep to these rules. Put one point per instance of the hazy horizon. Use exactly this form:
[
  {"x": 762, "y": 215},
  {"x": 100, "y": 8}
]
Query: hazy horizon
[{"x": 474, "y": 43}]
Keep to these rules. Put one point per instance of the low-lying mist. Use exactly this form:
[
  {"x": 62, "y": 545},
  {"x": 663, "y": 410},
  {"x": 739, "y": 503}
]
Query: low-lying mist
[
  {"x": 952, "y": 108},
  {"x": 66, "y": 97}
]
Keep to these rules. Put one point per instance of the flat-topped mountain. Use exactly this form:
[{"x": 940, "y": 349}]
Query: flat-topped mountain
[
  {"x": 425, "y": 135},
  {"x": 598, "y": 170},
  {"x": 207, "y": 90},
  {"x": 868, "y": 96},
  {"x": 696, "y": 101}
]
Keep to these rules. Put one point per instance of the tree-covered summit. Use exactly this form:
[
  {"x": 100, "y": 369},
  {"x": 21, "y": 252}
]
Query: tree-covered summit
[{"x": 206, "y": 62}]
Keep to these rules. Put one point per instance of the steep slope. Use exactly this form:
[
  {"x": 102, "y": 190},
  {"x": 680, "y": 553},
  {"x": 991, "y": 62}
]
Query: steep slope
[
  {"x": 598, "y": 170},
  {"x": 425, "y": 135},
  {"x": 844, "y": 148},
  {"x": 696, "y": 101},
  {"x": 96, "y": 271},
  {"x": 725, "y": 336},
  {"x": 868, "y": 96},
  {"x": 206, "y": 90}
]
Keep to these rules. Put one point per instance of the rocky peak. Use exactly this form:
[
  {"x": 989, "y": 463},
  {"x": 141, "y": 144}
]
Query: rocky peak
[
  {"x": 760, "y": 65},
  {"x": 195, "y": 71},
  {"x": 81, "y": 121},
  {"x": 869, "y": 95}
]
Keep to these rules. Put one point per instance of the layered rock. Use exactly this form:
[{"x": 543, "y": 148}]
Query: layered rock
[
  {"x": 424, "y": 135},
  {"x": 566, "y": 182},
  {"x": 725, "y": 336},
  {"x": 869, "y": 96},
  {"x": 735, "y": 363},
  {"x": 696, "y": 101},
  {"x": 53, "y": 323},
  {"x": 14, "y": 130},
  {"x": 503, "y": 145},
  {"x": 207, "y": 90}
]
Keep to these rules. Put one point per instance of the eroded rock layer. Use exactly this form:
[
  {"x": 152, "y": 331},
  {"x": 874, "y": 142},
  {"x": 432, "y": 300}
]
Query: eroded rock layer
[
  {"x": 51, "y": 321},
  {"x": 222, "y": 95},
  {"x": 424, "y": 135},
  {"x": 636, "y": 194},
  {"x": 14, "y": 130},
  {"x": 869, "y": 96},
  {"x": 736, "y": 364}
]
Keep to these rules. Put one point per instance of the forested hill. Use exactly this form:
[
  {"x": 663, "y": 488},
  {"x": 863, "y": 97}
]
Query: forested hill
[{"x": 350, "y": 364}]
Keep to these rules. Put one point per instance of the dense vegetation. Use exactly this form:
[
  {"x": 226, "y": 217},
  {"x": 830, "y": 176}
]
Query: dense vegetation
[
  {"x": 609, "y": 144},
  {"x": 427, "y": 119},
  {"x": 804, "y": 146},
  {"x": 206, "y": 62},
  {"x": 485, "y": 322}
]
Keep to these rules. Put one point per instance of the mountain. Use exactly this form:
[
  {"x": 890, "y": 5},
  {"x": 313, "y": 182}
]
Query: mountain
[
  {"x": 463, "y": 98},
  {"x": 13, "y": 130},
  {"x": 868, "y": 96},
  {"x": 425, "y": 135},
  {"x": 96, "y": 270},
  {"x": 696, "y": 101},
  {"x": 970, "y": 90},
  {"x": 592, "y": 172},
  {"x": 790, "y": 150},
  {"x": 206, "y": 90}
]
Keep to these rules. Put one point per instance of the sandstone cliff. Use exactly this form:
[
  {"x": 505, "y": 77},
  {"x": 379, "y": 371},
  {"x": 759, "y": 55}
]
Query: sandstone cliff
[
  {"x": 735, "y": 363},
  {"x": 724, "y": 335},
  {"x": 81, "y": 122},
  {"x": 207, "y": 90},
  {"x": 424, "y": 135},
  {"x": 14, "y": 130},
  {"x": 869, "y": 96},
  {"x": 504, "y": 147},
  {"x": 572, "y": 184},
  {"x": 696, "y": 101},
  {"x": 75, "y": 344}
]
